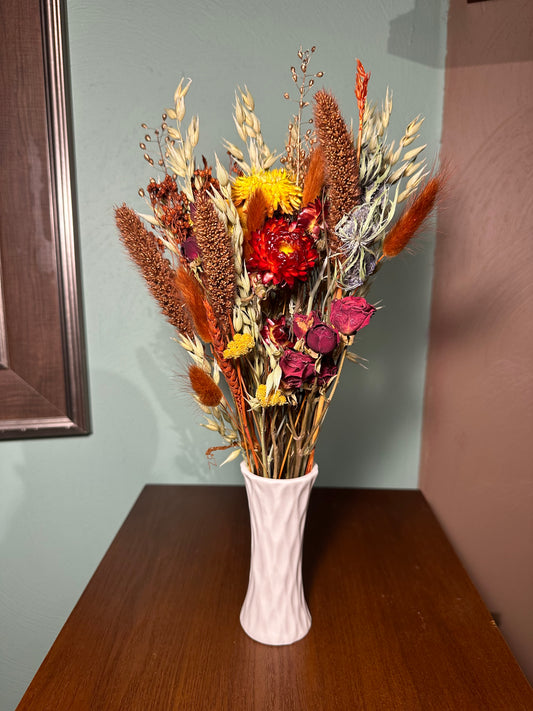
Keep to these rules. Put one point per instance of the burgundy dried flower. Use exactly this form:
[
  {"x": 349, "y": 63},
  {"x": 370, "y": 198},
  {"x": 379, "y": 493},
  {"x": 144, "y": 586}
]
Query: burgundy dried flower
[
  {"x": 297, "y": 368},
  {"x": 301, "y": 323},
  {"x": 328, "y": 370},
  {"x": 311, "y": 218},
  {"x": 322, "y": 339},
  {"x": 351, "y": 314},
  {"x": 190, "y": 249}
]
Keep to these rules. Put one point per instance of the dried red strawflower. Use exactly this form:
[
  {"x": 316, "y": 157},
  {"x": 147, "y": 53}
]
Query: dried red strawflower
[{"x": 281, "y": 252}]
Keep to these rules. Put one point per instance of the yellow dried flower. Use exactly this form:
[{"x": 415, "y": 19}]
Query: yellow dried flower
[
  {"x": 270, "y": 400},
  {"x": 241, "y": 344},
  {"x": 279, "y": 191}
]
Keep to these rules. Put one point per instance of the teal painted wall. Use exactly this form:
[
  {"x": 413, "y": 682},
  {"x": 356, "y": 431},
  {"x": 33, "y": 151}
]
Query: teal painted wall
[{"x": 63, "y": 499}]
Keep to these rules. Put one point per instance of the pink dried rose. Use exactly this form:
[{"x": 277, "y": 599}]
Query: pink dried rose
[
  {"x": 301, "y": 323},
  {"x": 322, "y": 339},
  {"x": 297, "y": 368},
  {"x": 351, "y": 314}
]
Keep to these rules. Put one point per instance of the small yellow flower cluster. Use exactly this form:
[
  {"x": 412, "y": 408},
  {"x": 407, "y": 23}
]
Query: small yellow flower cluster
[
  {"x": 241, "y": 344},
  {"x": 279, "y": 190},
  {"x": 270, "y": 400}
]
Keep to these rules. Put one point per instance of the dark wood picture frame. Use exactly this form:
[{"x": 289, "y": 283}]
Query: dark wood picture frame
[{"x": 43, "y": 377}]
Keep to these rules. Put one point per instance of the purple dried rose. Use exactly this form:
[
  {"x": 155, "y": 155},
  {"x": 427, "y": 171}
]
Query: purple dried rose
[
  {"x": 351, "y": 314},
  {"x": 321, "y": 339},
  {"x": 301, "y": 323},
  {"x": 296, "y": 367},
  {"x": 328, "y": 370}
]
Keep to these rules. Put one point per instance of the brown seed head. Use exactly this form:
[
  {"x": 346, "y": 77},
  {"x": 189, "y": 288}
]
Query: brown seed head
[{"x": 145, "y": 250}]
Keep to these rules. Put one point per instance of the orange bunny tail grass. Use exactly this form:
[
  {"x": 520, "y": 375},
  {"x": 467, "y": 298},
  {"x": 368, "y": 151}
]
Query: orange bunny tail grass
[
  {"x": 217, "y": 259},
  {"x": 193, "y": 296},
  {"x": 413, "y": 217},
  {"x": 145, "y": 250},
  {"x": 226, "y": 366},
  {"x": 314, "y": 179},
  {"x": 257, "y": 210},
  {"x": 256, "y": 214},
  {"x": 340, "y": 160},
  {"x": 205, "y": 388}
]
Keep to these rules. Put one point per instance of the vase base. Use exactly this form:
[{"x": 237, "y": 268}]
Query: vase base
[{"x": 263, "y": 637}]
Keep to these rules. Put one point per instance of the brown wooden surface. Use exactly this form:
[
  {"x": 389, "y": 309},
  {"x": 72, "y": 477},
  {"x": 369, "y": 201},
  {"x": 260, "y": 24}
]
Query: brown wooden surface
[
  {"x": 43, "y": 388},
  {"x": 397, "y": 624}
]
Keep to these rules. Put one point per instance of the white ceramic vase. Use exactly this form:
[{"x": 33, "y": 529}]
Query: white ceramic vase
[{"x": 274, "y": 610}]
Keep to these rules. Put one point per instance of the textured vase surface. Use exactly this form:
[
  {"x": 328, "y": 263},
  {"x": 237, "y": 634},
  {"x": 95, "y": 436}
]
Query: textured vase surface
[{"x": 274, "y": 610}]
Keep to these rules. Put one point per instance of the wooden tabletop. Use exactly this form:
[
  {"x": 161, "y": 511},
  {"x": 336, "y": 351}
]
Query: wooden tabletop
[{"x": 397, "y": 624}]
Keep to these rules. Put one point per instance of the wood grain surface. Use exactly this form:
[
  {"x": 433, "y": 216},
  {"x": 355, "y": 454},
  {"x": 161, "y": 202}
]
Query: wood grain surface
[{"x": 397, "y": 624}]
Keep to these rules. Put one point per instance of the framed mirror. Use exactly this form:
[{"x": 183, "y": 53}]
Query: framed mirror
[{"x": 43, "y": 377}]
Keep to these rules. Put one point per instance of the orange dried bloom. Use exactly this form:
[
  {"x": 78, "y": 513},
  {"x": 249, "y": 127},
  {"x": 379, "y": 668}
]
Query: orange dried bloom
[
  {"x": 361, "y": 89},
  {"x": 256, "y": 214},
  {"x": 194, "y": 297},
  {"x": 314, "y": 179},
  {"x": 412, "y": 218},
  {"x": 207, "y": 391},
  {"x": 256, "y": 211}
]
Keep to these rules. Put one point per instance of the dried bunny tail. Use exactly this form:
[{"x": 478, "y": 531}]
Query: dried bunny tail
[
  {"x": 256, "y": 214},
  {"x": 205, "y": 388},
  {"x": 193, "y": 296},
  {"x": 413, "y": 217},
  {"x": 256, "y": 211},
  {"x": 144, "y": 249},
  {"x": 314, "y": 179},
  {"x": 217, "y": 259}
]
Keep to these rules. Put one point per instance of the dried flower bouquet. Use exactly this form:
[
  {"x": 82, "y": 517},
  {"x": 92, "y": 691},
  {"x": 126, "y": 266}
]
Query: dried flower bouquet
[{"x": 264, "y": 270}]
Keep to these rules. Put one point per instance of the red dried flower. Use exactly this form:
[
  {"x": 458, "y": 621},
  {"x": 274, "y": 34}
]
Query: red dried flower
[
  {"x": 351, "y": 314},
  {"x": 297, "y": 368},
  {"x": 301, "y": 323},
  {"x": 311, "y": 218},
  {"x": 281, "y": 252},
  {"x": 321, "y": 338},
  {"x": 276, "y": 332}
]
